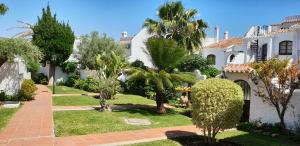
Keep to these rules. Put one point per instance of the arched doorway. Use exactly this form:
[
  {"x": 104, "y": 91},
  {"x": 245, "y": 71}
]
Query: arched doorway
[{"x": 247, "y": 94}]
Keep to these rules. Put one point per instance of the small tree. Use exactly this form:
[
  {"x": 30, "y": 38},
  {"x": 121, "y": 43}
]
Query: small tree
[
  {"x": 9, "y": 48},
  {"x": 278, "y": 82},
  {"x": 217, "y": 105},
  {"x": 93, "y": 44},
  {"x": 165, "y": 55},
  {"x": 109, "y": 68},
  {"x": 54, "y": 39},
  {"x": 3, "y": 9}
]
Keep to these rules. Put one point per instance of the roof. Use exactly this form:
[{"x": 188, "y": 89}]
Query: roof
[
  {"x": 238, "y": 68},
  {"x": 286, "y": 22},
  {"x": 125, "y": 39},
  {"x": 226, "y": 43}
]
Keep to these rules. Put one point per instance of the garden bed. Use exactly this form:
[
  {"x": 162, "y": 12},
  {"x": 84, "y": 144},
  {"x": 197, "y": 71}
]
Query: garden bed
[{"x": 87, "y": 122}]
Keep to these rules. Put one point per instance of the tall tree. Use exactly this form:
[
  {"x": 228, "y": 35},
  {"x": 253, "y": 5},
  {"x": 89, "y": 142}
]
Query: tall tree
[
  {"x": 54, "y": 39},
  {"x": 165, "y": 54},
  {"x": 279, "y": 80},
  {"x": 94, "y": 44},
  {"x": 3, "y": 9},
  {"x": 179, "y": 24}
]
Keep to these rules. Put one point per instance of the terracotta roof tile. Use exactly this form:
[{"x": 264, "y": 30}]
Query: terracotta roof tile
[
  {"x": 238, "y": 68},
  {"x": 226, "y": 43}
]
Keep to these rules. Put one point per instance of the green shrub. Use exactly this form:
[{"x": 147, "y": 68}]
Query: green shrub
[
  {"x": 192, "y": 62},
  {"x": 2, "y": 96},
  {"x": 79, "y": 83},
  {"x": 139, "y": 64},
  {"x": 40, "y": 78},
  {"x": 71, "y": 79},
  {"x": 69, "y": 67},
  {"x": 27, "y": 90},
  {"x": 216, "y": 104},
  {"x": 248, "y": 126},
  {"x": 91, "y": 85},
  {"x": 211, "y": 72}
]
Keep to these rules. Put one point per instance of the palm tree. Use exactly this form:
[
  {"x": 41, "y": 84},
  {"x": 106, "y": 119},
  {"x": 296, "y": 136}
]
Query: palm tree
[
  {"x": 165, "y": 54},
  {"x": 179, "y": 24},
  {"x": 26, "y": 32},
  {"x": 3, "y": 9}
]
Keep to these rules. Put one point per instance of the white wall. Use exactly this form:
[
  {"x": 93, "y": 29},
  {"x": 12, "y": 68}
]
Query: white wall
[
  {"x": 262, "y": 111},
  {"x": 220, "y": 56},
  {"x": 12, "y": 74},
  {"x": 138, "y": 48}
]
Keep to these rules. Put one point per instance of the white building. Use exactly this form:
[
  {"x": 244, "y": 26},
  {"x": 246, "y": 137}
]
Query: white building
[{"x": 262, "y": 43}]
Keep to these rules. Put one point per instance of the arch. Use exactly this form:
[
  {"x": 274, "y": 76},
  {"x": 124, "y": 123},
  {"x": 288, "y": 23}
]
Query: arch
[
  {"x": 285, "y": 47},
  {"x": 247, "y": 93},
  {"x": 264, "y": 52},
  {"x": 245, "y": 87},
  {"x": 211, "y": 58},
  {"x": 231, "y": 57}
]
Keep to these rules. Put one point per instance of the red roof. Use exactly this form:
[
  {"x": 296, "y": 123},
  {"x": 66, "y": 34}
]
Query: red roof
[
  {"x": 238, "y": 68},
  {"x": 226, "y": 43}
]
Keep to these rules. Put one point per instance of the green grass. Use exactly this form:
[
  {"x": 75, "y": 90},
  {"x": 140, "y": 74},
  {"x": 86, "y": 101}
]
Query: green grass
[
  {"x": 130, "y": 99},
  {"x": 87, "y": 122},
  {"x": 240, "y": 137},
  {"x": 86, "y": 100},
  {"x": 5, "y": 115},
  {"x": 74, "y": 100},
  {"x": 66, "y": 90}
]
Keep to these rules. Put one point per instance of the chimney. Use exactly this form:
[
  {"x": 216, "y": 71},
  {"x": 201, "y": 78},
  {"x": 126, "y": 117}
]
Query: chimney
[
  {"x": 217, "y": 32},
  {"x": 225, "y": 35},
  {"x": 124, "y": 34}
]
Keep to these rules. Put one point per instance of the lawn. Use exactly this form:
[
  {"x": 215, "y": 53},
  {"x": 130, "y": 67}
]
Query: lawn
[
  {"x": 66, "y": 90},
  {"x": 5, "y": 115},
  {"x": 87, "y": 100},
  {"x": 240, "y": 137},
  {"x": 87, "y": 122}
]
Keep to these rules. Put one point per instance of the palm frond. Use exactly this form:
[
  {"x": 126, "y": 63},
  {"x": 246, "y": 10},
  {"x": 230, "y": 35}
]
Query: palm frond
[{"x": 184, "y": 77}]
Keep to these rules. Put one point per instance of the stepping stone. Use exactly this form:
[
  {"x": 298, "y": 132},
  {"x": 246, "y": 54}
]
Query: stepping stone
[
  {"x": 11, "y": 104},
  {"x": 135, "y": 121}
]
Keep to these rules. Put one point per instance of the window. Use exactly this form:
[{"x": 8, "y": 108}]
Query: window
[
  {"x": 285, "y": 48},
  {"x": 211, "y": 59},
  {"x": 231, "y": 58}
]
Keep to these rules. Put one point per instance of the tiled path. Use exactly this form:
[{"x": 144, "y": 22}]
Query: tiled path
[{"x": 32, "y": 125}]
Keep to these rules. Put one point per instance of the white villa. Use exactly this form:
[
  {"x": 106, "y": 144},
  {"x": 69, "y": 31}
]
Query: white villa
[{"x": 231, "y": 55}]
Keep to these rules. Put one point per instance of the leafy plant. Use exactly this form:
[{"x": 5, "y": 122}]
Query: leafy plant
[
  {"x": 211, "y": 72},
  {"x": 3, "y": 9},
  {"x": 9, "y": 48},
  {"x": 69, "y": 67},
  {"x": 217, "y": 105},
  {"x": 71, "y": 79},
  {"x": 279, "y": 91},
  {"x": 193, "y": 62},
  {"x": 40, "y": 78},
  {"x": 165, "y": 54},
  {"x": 27, "y": 90}
]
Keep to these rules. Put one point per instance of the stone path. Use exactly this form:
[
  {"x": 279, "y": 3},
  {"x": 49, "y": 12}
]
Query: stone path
[{"x": 32, "y": 125}]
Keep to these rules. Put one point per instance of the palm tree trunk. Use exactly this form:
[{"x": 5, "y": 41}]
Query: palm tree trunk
[{"x": 160, "y": 103}]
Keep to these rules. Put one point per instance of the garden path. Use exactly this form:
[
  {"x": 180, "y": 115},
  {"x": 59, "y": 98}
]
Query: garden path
[{"x": 32, "y": 125}]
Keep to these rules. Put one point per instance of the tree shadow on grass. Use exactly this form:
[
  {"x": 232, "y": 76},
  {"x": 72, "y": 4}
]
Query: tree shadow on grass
[{"x": 186, "y": 138}]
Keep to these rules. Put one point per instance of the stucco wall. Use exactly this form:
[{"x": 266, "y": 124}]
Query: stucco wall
[
  {"x": 138, "y": 48},
  {"x": 11, "y": 76},
  {"x": 262, "y": 111}
]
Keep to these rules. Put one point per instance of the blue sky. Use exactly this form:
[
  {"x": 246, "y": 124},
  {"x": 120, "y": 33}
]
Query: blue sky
[{"x": 114, "y": 16}]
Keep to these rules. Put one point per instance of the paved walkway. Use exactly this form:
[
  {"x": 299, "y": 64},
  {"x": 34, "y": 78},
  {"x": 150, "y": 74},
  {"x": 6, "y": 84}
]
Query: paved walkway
[{"x": 32, "y": 125}]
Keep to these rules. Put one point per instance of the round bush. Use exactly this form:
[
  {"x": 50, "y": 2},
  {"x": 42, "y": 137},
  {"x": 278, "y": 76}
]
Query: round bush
[
  {"x": 27, "y": 90},
  {"x": 216, "y": 104}
]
